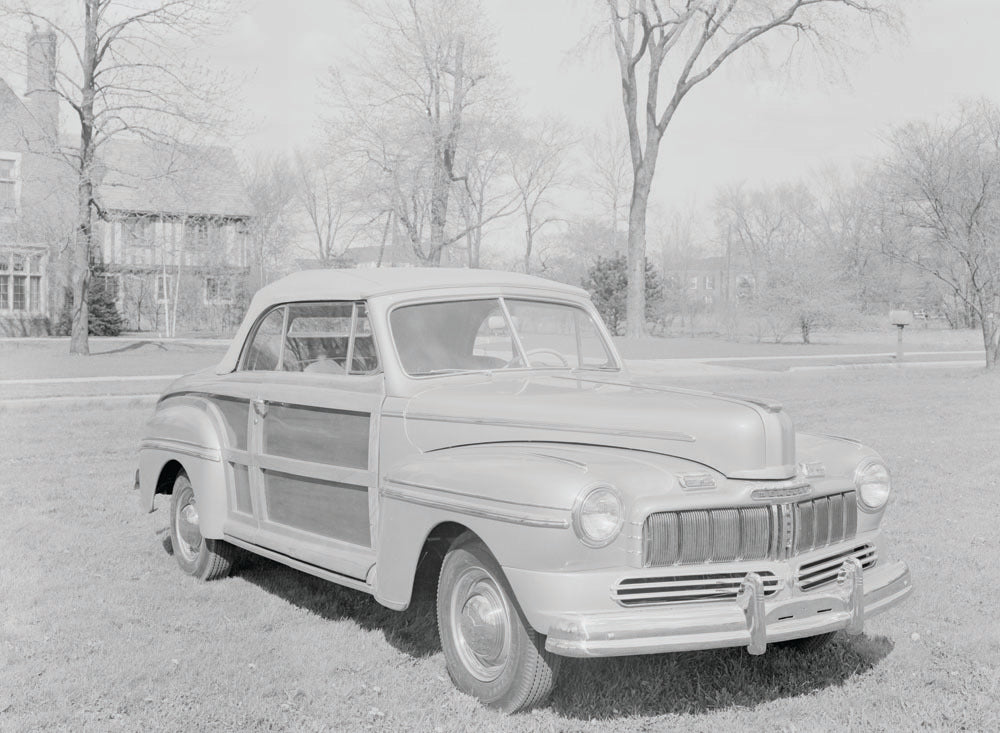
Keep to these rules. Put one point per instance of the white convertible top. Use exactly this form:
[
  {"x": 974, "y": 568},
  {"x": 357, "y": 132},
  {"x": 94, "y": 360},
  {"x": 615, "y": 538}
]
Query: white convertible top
[{"x": 368, "y": 283}]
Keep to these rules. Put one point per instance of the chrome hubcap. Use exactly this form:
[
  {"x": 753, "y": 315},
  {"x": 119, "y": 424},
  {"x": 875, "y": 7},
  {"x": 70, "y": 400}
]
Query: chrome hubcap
[
  {"x": 188, "y": 532},
  {"x": 481, "y": 625}
]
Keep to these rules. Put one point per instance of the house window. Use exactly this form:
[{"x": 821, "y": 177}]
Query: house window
[
  {"x": 218, "y": 290},
  {"x": 163, "y": 287},
  {"x": 693, "y": 282},
  {"x": 21, "y": 276},
  {"x": 709, "y": 282},
  {"x": 19, "y": 301},
  {"x": 200, "y": 233},
  {"x": 137, "y": 231},
  {"x": 35, "y": 293},
  {"x": 10, "y": 185}
]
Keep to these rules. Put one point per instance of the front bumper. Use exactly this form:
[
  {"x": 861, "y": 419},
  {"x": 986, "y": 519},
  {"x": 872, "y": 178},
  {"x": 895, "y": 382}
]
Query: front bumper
[{"x": 750, "y": 621}]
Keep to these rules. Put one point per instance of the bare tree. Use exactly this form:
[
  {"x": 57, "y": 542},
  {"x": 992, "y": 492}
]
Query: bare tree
[
  {"x": 682, "y": 43},
  {"x": 124, "y": 68},
  {"x": 488, "y": 195},
  {"x": 537, "y": 167},
  {"x": 424, "y": 73},
  {"x": 943, "y": 181},
  {"x": 610, "y": 179},
  {"x": 271, "y": 187},
  {"x": 795, "y": 271},
  {"x": 326, "y": 194}
]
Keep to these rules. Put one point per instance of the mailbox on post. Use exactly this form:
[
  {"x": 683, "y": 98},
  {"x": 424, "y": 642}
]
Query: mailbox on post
[{"x": 900, "y": 319}]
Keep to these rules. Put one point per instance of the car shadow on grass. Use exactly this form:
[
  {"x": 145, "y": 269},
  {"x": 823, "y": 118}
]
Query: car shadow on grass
[
  {"x": 688, "y": 682},
  {"x": 413, "y": 631},
  {"x": 705, "y": 681}
]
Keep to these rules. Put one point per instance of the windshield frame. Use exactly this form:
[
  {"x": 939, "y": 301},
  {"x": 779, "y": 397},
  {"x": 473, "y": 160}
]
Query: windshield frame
[{"x": 501, "y": 298}]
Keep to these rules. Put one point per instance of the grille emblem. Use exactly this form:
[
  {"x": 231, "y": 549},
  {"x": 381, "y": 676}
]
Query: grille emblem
[{"x": 787, "y": 527}]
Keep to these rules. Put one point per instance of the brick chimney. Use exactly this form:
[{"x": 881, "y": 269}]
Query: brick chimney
[{"x": 40, "y": 95}]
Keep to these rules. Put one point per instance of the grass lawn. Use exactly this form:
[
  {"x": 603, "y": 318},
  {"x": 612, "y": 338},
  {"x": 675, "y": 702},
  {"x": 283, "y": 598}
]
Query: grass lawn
[
  {"x": 850, "y": 342},
  {"x": 50, "y": 358},
  {"x": 100, "y": 631}
]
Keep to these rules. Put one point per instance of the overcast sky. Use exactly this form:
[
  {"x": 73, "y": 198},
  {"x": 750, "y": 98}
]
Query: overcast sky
[{"x": 734, "y": 127}]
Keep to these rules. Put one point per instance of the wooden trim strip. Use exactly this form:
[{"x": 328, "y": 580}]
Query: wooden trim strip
[{"x": 319, "y": 471}]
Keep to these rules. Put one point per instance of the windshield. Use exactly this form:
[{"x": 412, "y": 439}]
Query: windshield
[{"x": 490, "y": 334}]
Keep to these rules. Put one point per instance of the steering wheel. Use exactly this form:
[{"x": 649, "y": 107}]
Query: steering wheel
[{"x": 550, "y": 352}]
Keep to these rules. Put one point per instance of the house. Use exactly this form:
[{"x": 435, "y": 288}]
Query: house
[
  {"x": 173, "y": 235},
  {"x": 170, "y": 237},
  {"x": 711, "y": 281},
  {"x": 36, "y": 199}
]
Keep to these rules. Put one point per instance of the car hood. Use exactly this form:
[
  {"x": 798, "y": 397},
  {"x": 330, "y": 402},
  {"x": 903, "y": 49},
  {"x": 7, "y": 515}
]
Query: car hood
[{"x": 739, "y": 437}]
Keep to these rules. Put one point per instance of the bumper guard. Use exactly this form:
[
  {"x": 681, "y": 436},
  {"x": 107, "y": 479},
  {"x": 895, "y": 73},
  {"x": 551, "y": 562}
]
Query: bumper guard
[{"x": 750, "y": 621}]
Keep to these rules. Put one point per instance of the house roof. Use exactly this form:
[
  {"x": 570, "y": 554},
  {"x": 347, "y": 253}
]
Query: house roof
[
  {"x": 18, "y": 127},
  {"x": 368, "y": 283},
  {"x": 141, "y": 176}
]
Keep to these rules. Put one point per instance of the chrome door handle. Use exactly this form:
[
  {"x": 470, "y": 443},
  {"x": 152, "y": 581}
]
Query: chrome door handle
[{"x": 259, "y": 407}]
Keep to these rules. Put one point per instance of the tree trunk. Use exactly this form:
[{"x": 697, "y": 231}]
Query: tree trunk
[
  {"x": 635, "y": 309},
  {"x": 527, "y": 250},
  {"x": 439, "y": 213},
  {"x": 79, "y": 333},
  {"x": 79, "y": 342},
  {"x": 991, "y": 340}
]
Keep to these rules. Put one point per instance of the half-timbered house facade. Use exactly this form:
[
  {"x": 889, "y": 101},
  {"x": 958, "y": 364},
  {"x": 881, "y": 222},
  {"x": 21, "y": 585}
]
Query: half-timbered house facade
[{"x": 170, "y": 232}]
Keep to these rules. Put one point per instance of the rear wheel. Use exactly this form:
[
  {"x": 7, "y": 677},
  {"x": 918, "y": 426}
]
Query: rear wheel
[
  {"x": 203, "y": 558},
  {"x": 490, "y": 650}
]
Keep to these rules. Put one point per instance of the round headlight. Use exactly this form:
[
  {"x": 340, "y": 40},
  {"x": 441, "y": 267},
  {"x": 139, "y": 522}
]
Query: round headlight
[
  {"x": 598, "y": 516},
  {"x": 872, "y": 479}
]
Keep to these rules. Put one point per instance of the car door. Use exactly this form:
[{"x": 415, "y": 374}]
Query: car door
[{"x": 313, "y": 438}]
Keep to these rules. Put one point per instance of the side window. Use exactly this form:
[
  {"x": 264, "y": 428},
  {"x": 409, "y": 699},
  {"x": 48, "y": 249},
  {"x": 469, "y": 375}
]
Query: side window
[
  {"x": 319, "y": 335},
  {"x": 319, "y": 339},
  {"x": 264, "y": 352}
]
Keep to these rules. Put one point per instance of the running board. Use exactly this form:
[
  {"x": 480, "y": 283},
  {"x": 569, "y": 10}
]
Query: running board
[{"x": 305, "y": 567}]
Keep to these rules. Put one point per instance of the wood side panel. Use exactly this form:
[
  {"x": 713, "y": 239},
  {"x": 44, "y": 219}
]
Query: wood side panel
[
  {"x": 236, "y": 413},
  {"x": 326, "y": 508},
  {"x": 241, "y": 476},
  {"x": 334, "y": 437}
]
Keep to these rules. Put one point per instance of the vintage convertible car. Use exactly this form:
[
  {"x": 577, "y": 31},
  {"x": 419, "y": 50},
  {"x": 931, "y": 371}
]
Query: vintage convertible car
[{"x": 480, "y": 426}]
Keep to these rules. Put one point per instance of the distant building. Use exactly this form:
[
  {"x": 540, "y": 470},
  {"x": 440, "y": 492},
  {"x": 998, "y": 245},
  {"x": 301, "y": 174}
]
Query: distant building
[
  {"x": 34, "y": 200},
  {"x": 171, "y": 234},
  {"x": 711, "y": 281}
]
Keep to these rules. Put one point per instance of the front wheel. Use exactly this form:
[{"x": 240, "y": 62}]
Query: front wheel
[
  {"x": 490, "y": 650},
  {"x": 198, "y": 556}
]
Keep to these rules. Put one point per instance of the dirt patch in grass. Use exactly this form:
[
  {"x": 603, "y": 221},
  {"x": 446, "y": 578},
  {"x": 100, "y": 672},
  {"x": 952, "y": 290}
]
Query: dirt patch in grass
[{"x": 100, "y": 631}]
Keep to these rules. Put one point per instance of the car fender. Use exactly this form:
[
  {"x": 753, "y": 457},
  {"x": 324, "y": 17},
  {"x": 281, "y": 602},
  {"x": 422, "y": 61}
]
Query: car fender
[
  {"x": 187, "y": 429},
  {"x": 518, "y": 500}
]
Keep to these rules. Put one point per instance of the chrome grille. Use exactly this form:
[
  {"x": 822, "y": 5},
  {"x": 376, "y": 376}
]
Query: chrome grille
[
  {"x": 710, "y": 535},
  {"x": 825, "y": 521},
  {"x": 748, "y": 533},
  {"x": 687, "y": 588},
  {"x": 825, "y": 570}
]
